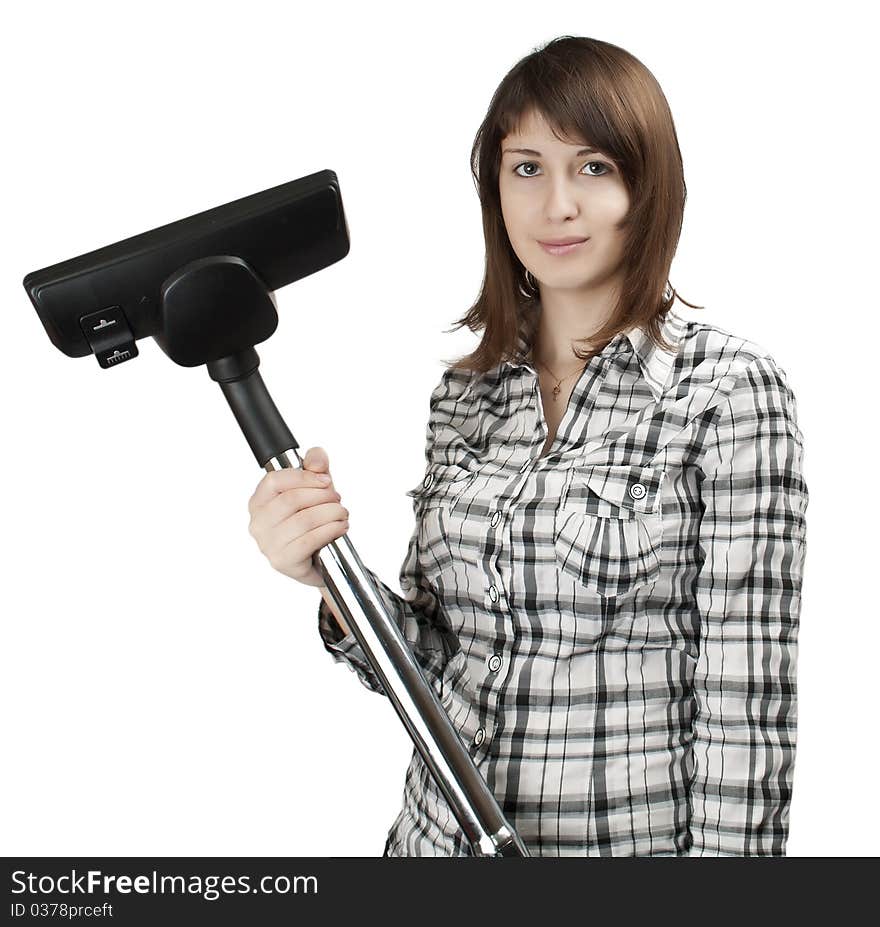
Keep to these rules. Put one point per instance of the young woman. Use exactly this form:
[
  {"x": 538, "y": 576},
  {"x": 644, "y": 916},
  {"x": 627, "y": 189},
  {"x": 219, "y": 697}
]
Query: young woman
[{"x": 604, "y": 580}]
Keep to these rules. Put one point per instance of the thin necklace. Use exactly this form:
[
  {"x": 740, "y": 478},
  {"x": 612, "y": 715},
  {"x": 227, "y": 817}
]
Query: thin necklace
[{"x": 556, "y": 389}]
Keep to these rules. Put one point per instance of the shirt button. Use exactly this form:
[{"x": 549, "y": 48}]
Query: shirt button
[
  {"x": 493, "y": 593},
  {"x": 478, "y": 737},
  {"x": 428, "y": 480},
  {"x": 637, "y": 490},
  {"x": 495, "y": 517},
  {"x": 494, "y": 663}
]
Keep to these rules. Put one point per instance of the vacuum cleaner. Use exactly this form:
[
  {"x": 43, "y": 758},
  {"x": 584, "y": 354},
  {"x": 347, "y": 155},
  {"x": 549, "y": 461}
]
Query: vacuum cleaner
[{"x": 203, "y": 288}]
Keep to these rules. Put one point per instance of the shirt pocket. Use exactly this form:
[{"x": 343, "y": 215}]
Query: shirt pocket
[
  {"x": 609, "y": 527},
  {"x": 432, "y": 500}
]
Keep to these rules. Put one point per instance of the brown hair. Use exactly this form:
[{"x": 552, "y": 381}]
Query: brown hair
[{"x": 587, "y": 90}]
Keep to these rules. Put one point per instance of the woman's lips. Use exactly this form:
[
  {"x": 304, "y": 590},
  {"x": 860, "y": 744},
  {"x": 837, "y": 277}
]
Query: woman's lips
[{"x": 562, "y": 249}]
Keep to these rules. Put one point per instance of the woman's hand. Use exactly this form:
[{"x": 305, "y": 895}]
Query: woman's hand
[{"x": 294, "y": 513}]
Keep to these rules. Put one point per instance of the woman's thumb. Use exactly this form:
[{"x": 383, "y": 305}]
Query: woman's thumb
[{"x": 316, "y": 460}]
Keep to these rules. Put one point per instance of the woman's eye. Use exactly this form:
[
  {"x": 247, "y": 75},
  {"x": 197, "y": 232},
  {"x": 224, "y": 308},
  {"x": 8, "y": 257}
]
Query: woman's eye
[
  {"x": 602, "y": 164},
  {"x": 524, "y": 164},
  {"x": 605, "y": 168}
]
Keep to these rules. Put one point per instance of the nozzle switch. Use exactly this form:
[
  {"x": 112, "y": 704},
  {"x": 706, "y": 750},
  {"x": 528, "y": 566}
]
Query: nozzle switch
[{"x": 110, "y": 336}]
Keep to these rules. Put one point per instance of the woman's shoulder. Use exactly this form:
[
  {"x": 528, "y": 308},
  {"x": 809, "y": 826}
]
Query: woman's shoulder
[
  {"x": 454, "y": 386},
  {"x": 703, "y": 335},
  {"x": 717, "y": 368},
  {"x": 708, "y": 352}
]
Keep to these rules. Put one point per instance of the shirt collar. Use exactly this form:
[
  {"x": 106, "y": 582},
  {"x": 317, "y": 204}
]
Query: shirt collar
[{"x": 654, "y": 363}]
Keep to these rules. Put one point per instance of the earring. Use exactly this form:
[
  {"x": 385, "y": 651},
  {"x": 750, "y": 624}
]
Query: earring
[{"x": 530, "y": 280}]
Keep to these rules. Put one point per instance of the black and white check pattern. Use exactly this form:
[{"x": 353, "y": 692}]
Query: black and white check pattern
[{"x": 612, "y": 628}]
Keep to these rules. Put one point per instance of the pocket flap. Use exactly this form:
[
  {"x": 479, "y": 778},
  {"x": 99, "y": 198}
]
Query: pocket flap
[
  {"x": 438, "y": 477},
  {"x": 629, "y": 486}
]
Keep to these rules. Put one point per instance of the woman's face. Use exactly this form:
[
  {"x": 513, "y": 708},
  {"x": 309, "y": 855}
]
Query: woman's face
[{"x": 552, "y": 192}]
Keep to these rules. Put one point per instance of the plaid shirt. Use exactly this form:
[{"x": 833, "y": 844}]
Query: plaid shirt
[{"x": 612, "y": 628}]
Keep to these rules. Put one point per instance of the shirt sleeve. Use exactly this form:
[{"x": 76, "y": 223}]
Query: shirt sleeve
[
  {"x": 752, "y": 542},
  {"x": 418, "y": 612}
]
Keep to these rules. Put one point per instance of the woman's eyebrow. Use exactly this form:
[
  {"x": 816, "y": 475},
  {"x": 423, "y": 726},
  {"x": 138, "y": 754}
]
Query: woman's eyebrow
[{"x": 537, "y": 154}]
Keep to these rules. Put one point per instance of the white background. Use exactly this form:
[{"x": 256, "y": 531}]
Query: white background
[{"x": 164, "y": 690}]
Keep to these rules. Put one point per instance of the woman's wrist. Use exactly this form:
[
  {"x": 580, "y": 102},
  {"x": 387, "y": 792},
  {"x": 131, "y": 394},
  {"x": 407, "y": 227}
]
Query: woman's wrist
[{"x": 332, "y": 606}]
